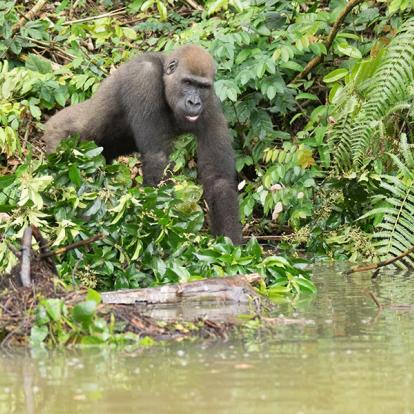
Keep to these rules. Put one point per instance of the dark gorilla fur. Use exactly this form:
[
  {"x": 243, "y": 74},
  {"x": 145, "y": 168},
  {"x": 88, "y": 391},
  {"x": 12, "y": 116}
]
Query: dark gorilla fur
[{"x": 143, "y": 106}]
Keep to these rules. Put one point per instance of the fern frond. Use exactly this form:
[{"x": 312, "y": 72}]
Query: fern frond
[
  {"x": 356, "y": 134},
  {"x": 394, "y": 235}
]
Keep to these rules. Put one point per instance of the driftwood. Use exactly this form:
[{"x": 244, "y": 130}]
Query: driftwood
[
  {"x": 232, "y": 289},
  {"x": 217, "y": 299}
]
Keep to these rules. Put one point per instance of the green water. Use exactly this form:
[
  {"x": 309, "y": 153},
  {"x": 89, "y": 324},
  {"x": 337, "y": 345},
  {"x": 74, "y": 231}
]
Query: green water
[{"x": 348, "y": 358}]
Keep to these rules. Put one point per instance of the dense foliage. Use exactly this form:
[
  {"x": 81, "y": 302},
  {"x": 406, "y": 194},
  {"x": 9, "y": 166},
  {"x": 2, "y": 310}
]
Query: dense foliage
[{"x": 323, "y": 156}]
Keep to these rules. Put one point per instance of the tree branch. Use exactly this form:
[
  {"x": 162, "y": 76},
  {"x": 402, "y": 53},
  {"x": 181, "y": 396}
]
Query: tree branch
[
  {"x": 72, "y": 246},
  {"x": 100, "y": 16},
  {"x": 33, "y": 12},
  {"x": 380, "y": 264},
  {"x": 331, "y": 37}
]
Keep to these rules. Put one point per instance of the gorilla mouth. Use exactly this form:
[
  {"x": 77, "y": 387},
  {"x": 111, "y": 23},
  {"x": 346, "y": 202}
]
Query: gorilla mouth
[{"x": 192, "y": 118}]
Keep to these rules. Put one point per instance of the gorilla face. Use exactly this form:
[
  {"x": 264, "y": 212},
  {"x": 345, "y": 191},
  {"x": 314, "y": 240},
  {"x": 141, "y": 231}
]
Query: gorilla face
[
  {"x": 188, "y": 91},
  {"x": 195, "y": 91}
]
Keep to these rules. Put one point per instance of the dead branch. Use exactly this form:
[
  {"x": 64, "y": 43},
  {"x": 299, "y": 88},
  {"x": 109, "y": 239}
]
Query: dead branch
[
  {"x": 33, "y": 12},
  {"x": 26, "y": 251},
  {"x": 331, "y": 37},
  {"x": 47, "y": 46},
  {"x": 72, "y": 246},
  {"x": 194, "y": 5},
  {"x": 376, "y": 266},
  {"x": 232, "y": 289},
  {"x": 100, "y": 16}
]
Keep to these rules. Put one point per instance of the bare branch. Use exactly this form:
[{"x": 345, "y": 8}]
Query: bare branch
[
  {"x": 72, "y": 246},
  {"x": 99, "y": 16}
]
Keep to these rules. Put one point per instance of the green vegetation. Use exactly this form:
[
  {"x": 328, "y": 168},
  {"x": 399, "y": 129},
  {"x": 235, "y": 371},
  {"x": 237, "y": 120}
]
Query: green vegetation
[{"x": 324, "y": 152}]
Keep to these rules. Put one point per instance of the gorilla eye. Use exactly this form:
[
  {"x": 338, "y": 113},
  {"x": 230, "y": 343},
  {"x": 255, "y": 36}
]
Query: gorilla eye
[{"x": 186, "y": 82}]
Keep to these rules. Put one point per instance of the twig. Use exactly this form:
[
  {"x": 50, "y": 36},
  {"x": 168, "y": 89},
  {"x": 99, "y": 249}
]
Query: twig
[
  {"x": 319, "y": 59},
  {"x": 72, "y": 246},
  {"x": 275, "y": 238},
  {"x": 33, "y": 12},
  {"x": 380, "y": 264},
  {"x": 49, "y": 45},
  {"x": 375, "y": 299},
  {"x": 194, "y": 5},
  {"x": 26, "y": 250},
  {"x": 100, "y": 16},
  {"x": 26, "y": 136}
]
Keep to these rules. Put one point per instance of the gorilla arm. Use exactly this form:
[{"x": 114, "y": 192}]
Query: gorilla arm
[{"x": 217, "y": 173}]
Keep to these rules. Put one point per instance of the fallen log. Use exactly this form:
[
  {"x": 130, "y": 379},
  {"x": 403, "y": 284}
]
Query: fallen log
[{"x": 231, "y": 289}]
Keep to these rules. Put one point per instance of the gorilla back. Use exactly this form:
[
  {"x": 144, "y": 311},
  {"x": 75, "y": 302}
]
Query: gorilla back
[{"x": 143, "y": 106}]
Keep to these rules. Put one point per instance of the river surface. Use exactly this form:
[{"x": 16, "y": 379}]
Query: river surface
[{"x": 350, "y": 357}]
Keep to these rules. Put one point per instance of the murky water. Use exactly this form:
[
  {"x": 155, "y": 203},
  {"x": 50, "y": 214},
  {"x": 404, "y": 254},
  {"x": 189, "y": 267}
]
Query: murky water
[{"x": 352, "y": 359}]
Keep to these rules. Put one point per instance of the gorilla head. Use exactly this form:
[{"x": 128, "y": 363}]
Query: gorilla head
[{"x": 188, "y": 79}]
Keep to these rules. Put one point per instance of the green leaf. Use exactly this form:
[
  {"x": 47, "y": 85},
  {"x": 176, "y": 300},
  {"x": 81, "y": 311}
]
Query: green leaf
[
  {"x": 7, "y": 180},
  {"x": 292, "y": 65},
  {"x": 53, "y": 308},
  {"x": 93, "y": 152},
  {"x": 92, "y": 340},
  {"x": 306, "y": 284},
  {"x": 74, "y": 175},
  {"x": 147, "y": 5},
  {"x": 348, "y": 50},
  {"x": 84, "y": 312},
  {"x": 335, "y": 75},
  {"x": 162, "y": 10},
  {"x": 129, "y": 33},
  {"x": 271, "y": 92},
  {"x": 260, "y": 69},
  {"x": 94, "y": 296},
  {"x": 38, "y": 334},
  {"x": 215, "y": 6},
  {"x": 38, "y": 64},
  {"x": 41, "y": 315},
  {"x": 308, "y": 96}
]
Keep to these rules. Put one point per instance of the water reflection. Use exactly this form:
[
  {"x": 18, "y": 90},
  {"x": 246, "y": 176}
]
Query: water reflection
[{"x": 352, "y": 359}]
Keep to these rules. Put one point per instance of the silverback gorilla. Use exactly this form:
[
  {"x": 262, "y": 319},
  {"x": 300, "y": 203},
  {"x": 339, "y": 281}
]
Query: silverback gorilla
[{"x": 143, "y": 106}]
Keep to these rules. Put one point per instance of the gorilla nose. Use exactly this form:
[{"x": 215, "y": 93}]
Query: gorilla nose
[{"x": 193, "y": 105}]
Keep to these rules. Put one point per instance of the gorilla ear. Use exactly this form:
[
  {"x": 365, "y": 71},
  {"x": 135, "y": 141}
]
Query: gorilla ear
[{"x": 171, "y": 67}]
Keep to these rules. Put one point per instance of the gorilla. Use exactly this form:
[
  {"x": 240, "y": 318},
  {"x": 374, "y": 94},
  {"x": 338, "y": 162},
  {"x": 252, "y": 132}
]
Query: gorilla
[{"x": 143, "y": 106}]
